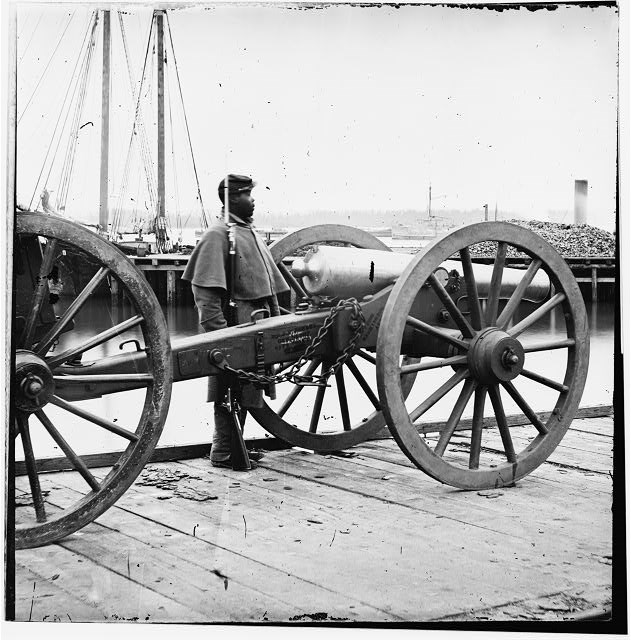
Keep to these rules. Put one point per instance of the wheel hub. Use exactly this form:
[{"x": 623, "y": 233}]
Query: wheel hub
[
  {"x": 494, "y": 356},
  {"x": 34, "y": 382}
]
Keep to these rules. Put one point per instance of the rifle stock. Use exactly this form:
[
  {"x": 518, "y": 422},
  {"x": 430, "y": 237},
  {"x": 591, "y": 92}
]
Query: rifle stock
[{"x": 238, "y": 451}]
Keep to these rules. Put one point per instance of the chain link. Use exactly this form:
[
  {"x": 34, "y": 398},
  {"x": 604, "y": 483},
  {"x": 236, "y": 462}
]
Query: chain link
[{"x": 292, "y": 374}]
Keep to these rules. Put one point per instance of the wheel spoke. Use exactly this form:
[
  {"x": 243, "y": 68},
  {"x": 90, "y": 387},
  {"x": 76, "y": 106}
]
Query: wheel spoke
[
  {"x": 452, "y": 309},
  {"x": 433, "y": 364},
  {"x": 528, "y": 321},
  {"x": 90, "y": 417},
  {"x": 548, "y": 346},
  {"x": 442, "y": 391},
  {"x": 100, "y": 338},
  {"x": 41, "y": 286},
  {"x": 44, "y": 344},
  {"x": 363, "y": 384},
  {"x": 291, "y": 281},
  {"x": 523, "y": 405},
  {"x": 557, "y": 386},
  {"x": 317, "y": 405},
  {"x": 341, "y": 394},
  {"x": 77, "y": 463},
  {"x": 366, "y": 356},
  {"x": 472, "y": 289},
  {"x": 476, "y": 427},
  {"x": 520, "y": 289},
  {"x": 498, "y": 408},
  {"x": 454, "y": 418},
  {"x": 293, "y": 394},
  {"x": 104, "y": 377},
  {"x": 434, "y": 331},
  {"x": 493, "y": 298},
  {"x": 31, "y": 469}
]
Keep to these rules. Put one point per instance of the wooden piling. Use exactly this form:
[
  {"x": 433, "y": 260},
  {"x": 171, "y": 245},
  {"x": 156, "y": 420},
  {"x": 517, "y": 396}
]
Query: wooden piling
[
  {"x": 171, "y": 288},
  {"x": 115, "y": 292}
]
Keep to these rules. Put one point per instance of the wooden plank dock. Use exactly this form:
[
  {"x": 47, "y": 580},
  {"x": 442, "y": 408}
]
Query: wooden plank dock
[{"x": 362, "y": 537}]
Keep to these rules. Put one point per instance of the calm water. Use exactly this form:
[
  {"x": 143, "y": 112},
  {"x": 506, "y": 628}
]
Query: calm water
[{"x": 190, "y": 417}]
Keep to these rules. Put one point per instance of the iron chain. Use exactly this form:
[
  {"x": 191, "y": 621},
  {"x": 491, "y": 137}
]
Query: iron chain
[{"x": 292, "y": 374}]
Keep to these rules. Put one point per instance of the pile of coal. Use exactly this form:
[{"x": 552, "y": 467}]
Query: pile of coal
[{"x": 570, "y": 240}]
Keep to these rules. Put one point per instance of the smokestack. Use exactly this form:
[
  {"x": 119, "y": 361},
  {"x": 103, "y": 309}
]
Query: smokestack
[{"x": 580, "y": 201}]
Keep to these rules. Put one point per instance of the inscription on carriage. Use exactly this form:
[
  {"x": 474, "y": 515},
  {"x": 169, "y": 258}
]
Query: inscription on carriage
[{"x": 296, "y": 339}]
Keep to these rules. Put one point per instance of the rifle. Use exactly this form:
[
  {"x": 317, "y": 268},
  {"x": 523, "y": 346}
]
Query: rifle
[
  {"x": 238, "y": 451},
  {"x": 231, "y": 306}
]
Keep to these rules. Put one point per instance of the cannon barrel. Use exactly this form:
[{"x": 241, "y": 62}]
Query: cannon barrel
[{"x": 344, "y": 272}]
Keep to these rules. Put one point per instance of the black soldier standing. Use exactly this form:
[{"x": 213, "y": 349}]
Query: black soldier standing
[{"x": 252, "y": 279}]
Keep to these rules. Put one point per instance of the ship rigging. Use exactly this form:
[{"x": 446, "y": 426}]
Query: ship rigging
[{"x": 156, "y": 103}]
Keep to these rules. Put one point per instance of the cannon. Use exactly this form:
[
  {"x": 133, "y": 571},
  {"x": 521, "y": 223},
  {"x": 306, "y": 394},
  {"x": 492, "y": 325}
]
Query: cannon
[{"x": 382, "y": 338}]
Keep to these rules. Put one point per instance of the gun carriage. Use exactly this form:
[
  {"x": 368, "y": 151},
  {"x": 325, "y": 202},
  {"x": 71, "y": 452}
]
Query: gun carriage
[{"x": 386, "y": 319}]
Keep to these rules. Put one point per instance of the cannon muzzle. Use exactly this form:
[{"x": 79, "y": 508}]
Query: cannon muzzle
[{"x": 345, "y": 272}]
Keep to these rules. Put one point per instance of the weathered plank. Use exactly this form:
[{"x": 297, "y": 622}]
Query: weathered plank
[
  {"x": 427, "y": 532},
  {"x": 505, "y": 514},
  {"x": 567, "y": 483},
  {"x": 513, "y": 420},
  {"x": 554, "y": 607},
  {"x": 41, "y": 599},
  {"x": 225, "y": 530},
  {"x": 112, "y": 596},
  {"x": 592, "y": 454},
  {"x": 371, "y": 537},
  {"x": 367, "y": 538},
  {"x": 492, "y": 510},
  {"x": 571, "y": 454},
  {"x": 216, "y": 597},
  {"x": 603, "y": 426},
  {"x": 157, "y": 550}
]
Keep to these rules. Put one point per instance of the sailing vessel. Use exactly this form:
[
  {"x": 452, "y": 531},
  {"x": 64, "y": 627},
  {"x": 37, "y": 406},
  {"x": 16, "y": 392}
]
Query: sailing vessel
[{"x": 137, "y": 217}]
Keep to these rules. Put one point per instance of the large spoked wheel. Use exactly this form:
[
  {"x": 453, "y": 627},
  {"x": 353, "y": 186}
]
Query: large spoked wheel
[
  {"x": 64, "y": 321},
  {"x": 348, "y": 411},
  {"x": 517, "y": 358}
]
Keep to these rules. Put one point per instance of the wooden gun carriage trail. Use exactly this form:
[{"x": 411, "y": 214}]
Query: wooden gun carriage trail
[{"x": 435, "y": 312}]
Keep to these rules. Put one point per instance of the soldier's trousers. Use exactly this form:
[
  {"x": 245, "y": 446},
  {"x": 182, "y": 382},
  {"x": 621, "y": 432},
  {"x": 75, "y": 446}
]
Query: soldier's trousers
[{"x": 218, "y": 387}]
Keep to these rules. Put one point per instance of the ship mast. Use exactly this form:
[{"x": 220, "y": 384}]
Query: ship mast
[
  {"x": 163, "y": 243},
  {"x": 160, "y": 36},
  {"x": 105, "y": 124}
]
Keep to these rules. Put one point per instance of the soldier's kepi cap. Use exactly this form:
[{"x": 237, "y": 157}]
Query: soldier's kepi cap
[{"x": 236, "y": 184}]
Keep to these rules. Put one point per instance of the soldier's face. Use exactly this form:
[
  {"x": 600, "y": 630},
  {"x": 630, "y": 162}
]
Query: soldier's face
[{"x": 243, "y": 204}]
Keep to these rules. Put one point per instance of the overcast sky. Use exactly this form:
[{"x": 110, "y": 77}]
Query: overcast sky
[{"x": 348, "y": 107}]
